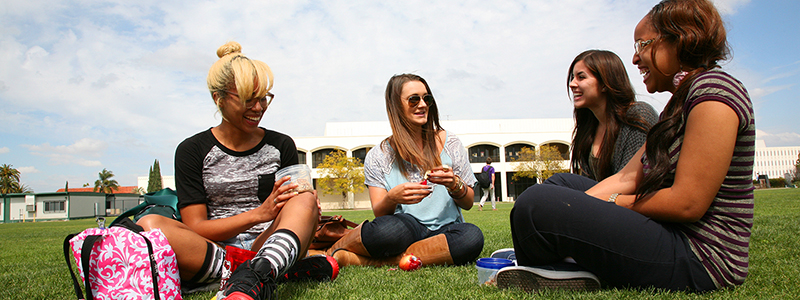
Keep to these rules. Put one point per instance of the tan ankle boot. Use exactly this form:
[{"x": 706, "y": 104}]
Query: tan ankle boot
[
  {"x": 347, "y": 258},
  {"x": 312, "y": 252},
  {"x": 432, "y": 251},
  {"x": 350, "y": 242}
]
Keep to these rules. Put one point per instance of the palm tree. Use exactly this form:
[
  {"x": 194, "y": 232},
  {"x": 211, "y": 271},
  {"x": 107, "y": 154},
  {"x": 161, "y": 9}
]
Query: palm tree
[
  {"x": 9, "y": 179},
  {"x": 105, "y": 184},
  {"x": 25, "y": 189}
]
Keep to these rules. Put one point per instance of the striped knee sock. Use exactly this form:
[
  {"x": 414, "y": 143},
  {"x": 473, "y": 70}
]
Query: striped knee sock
[
  {"x": 212, "y": 265},
  {"x": 281, "y": 250}
]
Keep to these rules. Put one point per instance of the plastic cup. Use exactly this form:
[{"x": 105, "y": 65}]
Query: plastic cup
[
  {"x": 488, "y": 267},
  {"x": 300, "y": 174}
]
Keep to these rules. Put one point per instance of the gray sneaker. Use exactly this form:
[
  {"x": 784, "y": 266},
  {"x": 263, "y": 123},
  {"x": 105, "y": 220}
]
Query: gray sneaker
[
  {"x": 506, "y": 253},
  {"x": 560, "y": 276}
]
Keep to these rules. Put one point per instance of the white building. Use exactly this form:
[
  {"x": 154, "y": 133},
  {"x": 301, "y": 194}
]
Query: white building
[
  {"x": 499, "y": 139},
  {"x": 775, "y": 162}
]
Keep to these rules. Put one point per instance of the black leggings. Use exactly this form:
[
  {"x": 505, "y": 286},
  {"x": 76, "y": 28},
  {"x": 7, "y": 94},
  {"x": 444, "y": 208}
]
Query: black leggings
[
  {"x": 555, "y": 220},
  {"x": 390, "y": 235}
]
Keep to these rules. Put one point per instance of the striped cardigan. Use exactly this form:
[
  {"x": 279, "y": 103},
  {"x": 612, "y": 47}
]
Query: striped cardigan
[{"x": 721, "y": 238}]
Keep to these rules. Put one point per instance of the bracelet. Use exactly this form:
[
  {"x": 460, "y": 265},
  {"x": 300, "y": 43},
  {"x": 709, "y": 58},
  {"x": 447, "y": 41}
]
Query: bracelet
[
  {"x": 461, "y": 195},
  {"x": 458, "y": 188},
  {"x": 613, "y": 198}
]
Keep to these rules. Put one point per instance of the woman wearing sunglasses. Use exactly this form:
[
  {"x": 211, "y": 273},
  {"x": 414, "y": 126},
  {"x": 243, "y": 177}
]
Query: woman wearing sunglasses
[
  {"x": 610, "y": 126},
  {"x": 679, "y": 215},
  {"x": 228, "y": 194},
  {"x": 419, "y": 180}
]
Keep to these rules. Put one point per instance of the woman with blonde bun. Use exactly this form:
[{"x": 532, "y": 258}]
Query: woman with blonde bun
[{"x": 228, "y": 195}]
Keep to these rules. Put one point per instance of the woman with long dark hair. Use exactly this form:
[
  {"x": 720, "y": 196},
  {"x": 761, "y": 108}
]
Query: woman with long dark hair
[
  {"x": 679, "y": 215},
  {"x": 610, "y": 125},
  {"x": 419, "y": 180}
]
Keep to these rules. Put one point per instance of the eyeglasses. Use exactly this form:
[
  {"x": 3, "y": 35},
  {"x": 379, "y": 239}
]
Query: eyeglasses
[
  {"x": 251, "y": 102},
  {"x": 638, "y": 46},
  {"x": 414, "y": 100}
]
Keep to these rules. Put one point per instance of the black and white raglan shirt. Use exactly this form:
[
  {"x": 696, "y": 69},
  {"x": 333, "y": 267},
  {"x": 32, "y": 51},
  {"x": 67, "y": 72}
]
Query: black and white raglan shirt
[{"x": 230, "y": 182}]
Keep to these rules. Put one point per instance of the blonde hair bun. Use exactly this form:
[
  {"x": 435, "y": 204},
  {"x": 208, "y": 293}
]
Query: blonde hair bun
[{"x": 228, "y": 48}]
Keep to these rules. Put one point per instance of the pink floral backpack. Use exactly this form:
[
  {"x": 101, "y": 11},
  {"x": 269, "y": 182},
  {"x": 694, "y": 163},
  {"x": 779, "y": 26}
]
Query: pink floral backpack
[{"x": 123, "y": 262}]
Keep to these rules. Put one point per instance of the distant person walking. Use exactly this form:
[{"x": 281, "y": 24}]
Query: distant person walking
[{"x": 488, "y": 191}]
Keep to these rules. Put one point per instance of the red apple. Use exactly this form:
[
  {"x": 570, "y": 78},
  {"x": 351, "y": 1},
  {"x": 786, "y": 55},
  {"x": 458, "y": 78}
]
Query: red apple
[{"x": 409, "y": 262}]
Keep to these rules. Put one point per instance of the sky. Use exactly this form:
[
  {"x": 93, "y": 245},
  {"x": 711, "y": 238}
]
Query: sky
[{"x": 93, "y": 85}]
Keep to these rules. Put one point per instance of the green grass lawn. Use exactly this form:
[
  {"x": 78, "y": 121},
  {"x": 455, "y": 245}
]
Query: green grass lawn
[{"x": 32, "y": 265}]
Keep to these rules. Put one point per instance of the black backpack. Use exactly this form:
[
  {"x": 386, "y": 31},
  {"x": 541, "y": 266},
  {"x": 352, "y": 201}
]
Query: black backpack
[{"x": 485, "y": 178}]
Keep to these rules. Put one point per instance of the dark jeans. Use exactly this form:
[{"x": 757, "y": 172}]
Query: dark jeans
[
  {"x": 555, "y": 220},
  {"x": 391, "y": 235}
]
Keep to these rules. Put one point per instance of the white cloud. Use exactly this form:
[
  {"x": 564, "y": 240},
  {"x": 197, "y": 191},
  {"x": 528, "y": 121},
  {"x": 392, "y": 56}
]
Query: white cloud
[
  {"x": 27, "y": 170},
  {"x": 124, "y": 82},
  {"x": 779, "y": 139},
  {"x": 85, "y": 146},
  {"x": 71, "y": 154},
  {"x": 729, "y": 7},
  {"x": 4, "y": 150}
]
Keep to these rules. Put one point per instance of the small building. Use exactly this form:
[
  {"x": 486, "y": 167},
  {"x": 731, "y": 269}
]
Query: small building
[{"x": 77, "y": 203}]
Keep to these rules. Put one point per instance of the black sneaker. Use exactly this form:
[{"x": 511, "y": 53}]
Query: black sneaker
[
  {"x": 318, "y": 267},
  {"x": 252, "y": 280},
  {"x": 557, "y": 276}
]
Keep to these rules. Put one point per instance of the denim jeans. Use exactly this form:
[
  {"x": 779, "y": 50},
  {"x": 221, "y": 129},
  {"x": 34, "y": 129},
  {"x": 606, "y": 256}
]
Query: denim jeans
[
  {"x": 555, "y": 220},
  {"x": 391, "y": 235},
  {"x": 243, "y": 240}
]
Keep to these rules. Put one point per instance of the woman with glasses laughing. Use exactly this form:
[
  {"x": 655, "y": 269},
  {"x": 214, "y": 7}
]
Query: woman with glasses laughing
[
  {"x": 228, "y": 195},
  {"x": 679, "y": 215},
  {"x": 419, "y": 180}
]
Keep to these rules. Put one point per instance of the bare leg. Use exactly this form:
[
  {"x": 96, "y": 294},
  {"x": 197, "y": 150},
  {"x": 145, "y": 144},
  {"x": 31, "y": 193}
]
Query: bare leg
[
  {"x": 300, "y": 215},
  {"x": 190, "y": 248}
]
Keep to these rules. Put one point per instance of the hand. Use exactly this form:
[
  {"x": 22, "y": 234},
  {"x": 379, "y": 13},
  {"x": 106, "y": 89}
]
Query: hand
[
  {"x": 408, "y": 193},
  {"x": 443, "y": 175},
  {"x": 270, "y": 208},
  {"x": 319, "y": 205}
]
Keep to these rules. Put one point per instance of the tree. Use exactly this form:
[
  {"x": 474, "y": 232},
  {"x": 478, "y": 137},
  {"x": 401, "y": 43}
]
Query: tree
[
  {"x": 10, "y": 181},
  {"x": 341, "y": 174},
  {"x": 538, "y": 164},
  {"x": 139, "y": 190},
  {"x": 154, "y": 183},
  {"x": 797, "y": 170},
  {"x": 105, "y": 184}
]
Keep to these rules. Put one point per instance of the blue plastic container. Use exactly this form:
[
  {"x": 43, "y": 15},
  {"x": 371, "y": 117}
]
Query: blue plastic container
[{"x": 488, "y": 267}]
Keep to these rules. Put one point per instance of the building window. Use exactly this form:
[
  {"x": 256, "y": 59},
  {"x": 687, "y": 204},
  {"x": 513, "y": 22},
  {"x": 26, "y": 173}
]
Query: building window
[
  {"x": 562, "y": 148},
  {"x": 512, "y": 151},
  {"x": 319, "y": 156},
  {"x": 301, "y": 157},
  {"x": 479, "y": 153},
  {"x": 361, "y": 154},
  {"x": 53, "y": 206}
]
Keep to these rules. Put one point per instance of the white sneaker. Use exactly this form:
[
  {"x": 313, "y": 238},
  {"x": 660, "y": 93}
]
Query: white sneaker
[{"x": 557, "y": 276}]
